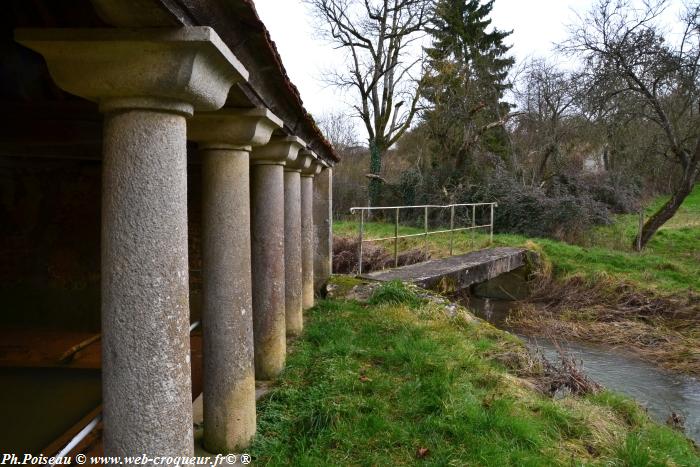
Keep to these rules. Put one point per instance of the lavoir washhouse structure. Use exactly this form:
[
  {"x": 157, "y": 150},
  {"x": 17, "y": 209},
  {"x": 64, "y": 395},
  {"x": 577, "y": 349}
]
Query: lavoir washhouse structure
[{"x": 157, "y": 169}]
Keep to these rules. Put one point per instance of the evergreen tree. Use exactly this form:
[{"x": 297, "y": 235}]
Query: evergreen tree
[{"x": 465, "y": 82}]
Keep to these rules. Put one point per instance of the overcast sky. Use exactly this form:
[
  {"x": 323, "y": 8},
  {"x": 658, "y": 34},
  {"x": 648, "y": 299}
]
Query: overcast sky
[{"x": 536, "y": 26}]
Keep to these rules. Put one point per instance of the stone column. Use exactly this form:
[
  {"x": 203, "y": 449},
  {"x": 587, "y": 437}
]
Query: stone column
[
  {"x": 292, "y": 242},
  {"x": 225, "y": 138},
  {"x": 267, "y": 214},
  {"x": 146, "y": 82},
  {"x": 307, "y": 232},
  {"x": 323, "y": 227}
]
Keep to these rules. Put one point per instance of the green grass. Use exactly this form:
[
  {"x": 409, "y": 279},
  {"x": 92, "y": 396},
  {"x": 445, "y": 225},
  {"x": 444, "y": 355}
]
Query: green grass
[
  {"x": 372, "y": 384},
  {"x": 670, "y": 263}
]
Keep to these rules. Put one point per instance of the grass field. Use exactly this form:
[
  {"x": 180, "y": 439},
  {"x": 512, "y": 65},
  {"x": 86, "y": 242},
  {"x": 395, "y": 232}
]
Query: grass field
[
  {"x": 395, "y": 382},
  {"x": 670, "y": 263}
]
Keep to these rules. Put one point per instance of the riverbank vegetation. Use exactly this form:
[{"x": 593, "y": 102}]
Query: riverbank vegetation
[
  {"x": 393, "y": 378},
  {"x": 599, "y": 290}
]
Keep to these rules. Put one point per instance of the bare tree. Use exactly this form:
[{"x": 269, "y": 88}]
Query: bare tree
[
  {"x": 627, "y": 54},
  {"x": 547, "y": 98},
  {"x": 338, "y": 129},
  {"x": 378, "y": 36}
]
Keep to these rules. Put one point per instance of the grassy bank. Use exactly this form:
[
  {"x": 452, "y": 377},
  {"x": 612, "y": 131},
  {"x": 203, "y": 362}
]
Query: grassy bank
[
  {"x": 395, "y": 381},
  {"x": 601, "y": 290}
]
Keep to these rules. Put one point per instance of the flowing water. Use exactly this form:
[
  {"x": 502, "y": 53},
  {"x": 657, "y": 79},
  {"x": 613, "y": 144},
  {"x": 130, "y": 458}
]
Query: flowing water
[{"x": 661, "y": 392}]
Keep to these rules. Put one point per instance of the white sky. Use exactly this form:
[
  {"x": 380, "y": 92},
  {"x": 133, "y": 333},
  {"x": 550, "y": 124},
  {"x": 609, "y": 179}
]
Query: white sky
[{"x": 536, "y": 25}]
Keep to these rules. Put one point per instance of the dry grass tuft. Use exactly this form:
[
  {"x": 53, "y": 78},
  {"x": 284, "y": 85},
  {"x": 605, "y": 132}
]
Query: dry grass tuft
[
  {"x": 555, "y": 379},
  {"x": 566, "y": 376}
]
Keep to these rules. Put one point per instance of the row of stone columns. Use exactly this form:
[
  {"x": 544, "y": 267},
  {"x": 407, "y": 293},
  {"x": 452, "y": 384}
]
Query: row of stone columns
[{"x": 258, "y": 245}]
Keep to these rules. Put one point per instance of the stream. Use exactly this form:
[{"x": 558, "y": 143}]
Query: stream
[{"x": 659, "y": 391}]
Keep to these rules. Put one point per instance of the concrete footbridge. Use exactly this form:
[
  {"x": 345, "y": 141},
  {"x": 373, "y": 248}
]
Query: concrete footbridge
[{"x": 459, "y": 272}]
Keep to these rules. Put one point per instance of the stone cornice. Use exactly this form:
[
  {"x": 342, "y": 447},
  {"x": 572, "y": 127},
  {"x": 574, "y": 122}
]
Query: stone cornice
[
  {"x": 279, "y": 150},
  {"x": 181, "y": 69},
  {"x": 241, "y": 128},
  {"x": 314, "y": 168},
  {"x": 304, "y": 160}
]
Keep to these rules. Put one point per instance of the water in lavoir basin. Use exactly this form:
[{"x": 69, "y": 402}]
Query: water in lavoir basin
[{"x": 661, "y": 392}]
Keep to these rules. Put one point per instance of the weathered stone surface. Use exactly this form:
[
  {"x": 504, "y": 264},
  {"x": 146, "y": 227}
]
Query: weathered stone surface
[
  {"x": 225, "y": 138},
  {"x": 307, "y": 242},
  {"x": 302, "y": 163},
  {"x": 323, "y": 227},
  {"x": 307, "y": 231},
  {"x": 268, "y": 266},
  {"x": 145, "y": 315},
  {"x": 292, "y": 253},
  {"x": 269, "y": 326},
  {"x": 234, "y": 127},
  {"x": 227, "y": 311},
  {"x": 293, "y": 241},
  {"x": 456, "y": 272},
  {"x": 280, "y": 150},
  {"x": 181, "y": 69}
]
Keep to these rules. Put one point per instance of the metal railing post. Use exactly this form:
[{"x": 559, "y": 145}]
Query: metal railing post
[
  {"x": 362, "y": 228},
  {"x": 425, "y": 223},
  {"x": 473, "y": 229},
  {"x": 452, "y": 228},
  {"x": 396, "y": 239},
  {"x": 640, "y": 230},
  {"x": 491, "y": 236}
]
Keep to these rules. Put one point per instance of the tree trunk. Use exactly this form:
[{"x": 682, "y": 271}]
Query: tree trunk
[
  {"x": 668, "y": 210},
  {"x": 461, "y": 160},
  {"x": 374, "y": 189},
  {"x": 542, "y": 168},
  {"x": 606, "y": 158}
]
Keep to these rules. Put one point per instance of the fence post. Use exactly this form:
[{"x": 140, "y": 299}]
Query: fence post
[
  {"x": 396, "y": 239},
  {"x": 452, "y": 228},
  {"x": 491, "y": 239},
  {"x": 473, "y": 229},
  {"x": 425, "y": 223},
  {"x": 362, "y": 228},
  {"x": 641, "y": 228}
]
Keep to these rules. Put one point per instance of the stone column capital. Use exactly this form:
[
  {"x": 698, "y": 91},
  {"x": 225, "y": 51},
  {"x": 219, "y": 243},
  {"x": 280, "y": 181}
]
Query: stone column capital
[
  {"x": 233, "y": 128},
  {"x": 303, "y": 162},
  {"x": 278, "y": 151},
  {"x": 314, "y": 168},
  {"x": 173, "y": 69}
]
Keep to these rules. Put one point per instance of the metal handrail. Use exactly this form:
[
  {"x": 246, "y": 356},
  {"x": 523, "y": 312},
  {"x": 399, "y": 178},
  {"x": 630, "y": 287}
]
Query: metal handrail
[
  {"x": 426, "y": 232},
  {"x": 375, "y": 208}
]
